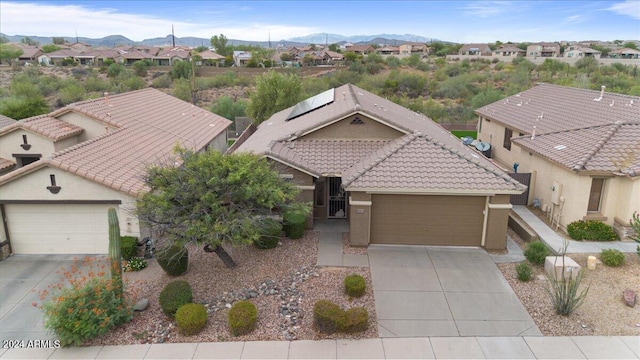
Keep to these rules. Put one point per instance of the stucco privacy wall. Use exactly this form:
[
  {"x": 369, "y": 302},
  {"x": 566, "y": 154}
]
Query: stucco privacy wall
[
  {"x": 344, "y": 129},
  {"x": 359, "y": 218},
  {"x": 497, "y": 220},
  {"x": 304, "y": 182},
  {"x": 92, "y": 127},
  {"x": 33, "y": 186}
]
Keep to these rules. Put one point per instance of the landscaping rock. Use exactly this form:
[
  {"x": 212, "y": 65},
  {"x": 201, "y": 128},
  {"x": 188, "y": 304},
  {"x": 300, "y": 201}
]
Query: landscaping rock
[
  {"x": 630, "y": 297},
  {"x": 141, "y": 305}
]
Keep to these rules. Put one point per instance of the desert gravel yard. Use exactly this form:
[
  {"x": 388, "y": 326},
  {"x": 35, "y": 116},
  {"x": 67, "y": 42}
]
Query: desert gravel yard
[
  {"x": 603, "y": 313},
  {"x": 283, "y": 283}
]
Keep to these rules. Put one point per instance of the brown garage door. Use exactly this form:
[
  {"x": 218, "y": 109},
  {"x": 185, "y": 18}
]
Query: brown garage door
[{"x": 427, "y": 220}]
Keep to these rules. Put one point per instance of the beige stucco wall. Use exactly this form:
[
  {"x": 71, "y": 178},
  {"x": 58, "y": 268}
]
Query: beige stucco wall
[
  {"x": 621, "y": 196},
  {"x": 10, "y": 144},
  {"x": 497, "y": 219},
  {"x": 343, "y": 129},
  {"x": 359, "y": 218},
  {"x": 92, "y": 127},
  {"x": 66, "y": 143},
  {"x": 493, "y": 133},
  {"x": 302, "y": 180},
  {"x": 33, "y": 186},
  {"x": 219, "y": 142}
]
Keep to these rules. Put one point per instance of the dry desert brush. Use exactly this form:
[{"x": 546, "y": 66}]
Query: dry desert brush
[{"x": 565, "y": 293}]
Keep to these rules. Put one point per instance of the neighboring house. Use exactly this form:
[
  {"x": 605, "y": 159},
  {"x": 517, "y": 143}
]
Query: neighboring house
[
  {"x": 334, "y": 56},
  {"x": 543, "y": 50},
  {"x": 130, "y": 57},
  {"x": 388, "y": 50},
  {"x": 409, "y": 48},
  {"x": 92, "y": 155},
  {"x": 475, "y": 49},
  {"x": 397, "y": 176},
  {"x": 209, "y": 58},
  {"x": 5, "y": 121},
  {"x": 509, "y": 51},
  {"x": 96, "y": 57},
  {"x": 241, "y": 58},
  {"x": 580, "y": 52},
  {"x": 30, "y": 54},
  {"x": 625, "y": 53},
  {"x": 168, "y": 57},
  {"x": 360, "y": 49},
  {"x": 57, "y": 57},
  {"x": 580, "y": 146}
]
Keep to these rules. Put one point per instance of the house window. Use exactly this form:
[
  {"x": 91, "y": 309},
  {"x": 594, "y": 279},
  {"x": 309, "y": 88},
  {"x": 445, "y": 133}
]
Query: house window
[
  {"x": 287, "y": 177},
  {"x": 595, "y": 195},
  {"x": 508, "y": 133}
]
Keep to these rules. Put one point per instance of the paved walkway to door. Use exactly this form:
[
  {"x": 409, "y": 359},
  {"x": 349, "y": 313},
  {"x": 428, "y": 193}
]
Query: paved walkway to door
[{"x": 444, "y": 291}]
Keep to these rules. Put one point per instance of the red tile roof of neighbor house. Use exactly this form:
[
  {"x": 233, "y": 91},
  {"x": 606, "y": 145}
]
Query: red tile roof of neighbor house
[
  {"x": 612, "y": 148},
  {"x": 150, "y": 123},
  {"x": 275, "y": 136},
  {"x": 552, "y": 108},
  {"x": 46, "y": 126},
  {"x": 419, "y": 163}
]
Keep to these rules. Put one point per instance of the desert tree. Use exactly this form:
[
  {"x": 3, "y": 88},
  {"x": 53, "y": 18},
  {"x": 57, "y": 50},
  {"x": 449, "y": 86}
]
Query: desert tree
[
  {"x": 9, "y": 53},
  {"x": 212, "y": 199},
  {"x": 274, "y": 92}
]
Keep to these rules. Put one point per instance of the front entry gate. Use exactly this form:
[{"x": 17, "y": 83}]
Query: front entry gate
[
  {"x": 337, "y": 208},
  {"x": 524, "y": 179}
]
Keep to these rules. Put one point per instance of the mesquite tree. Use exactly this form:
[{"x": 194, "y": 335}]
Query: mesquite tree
[{"x": 213, "y": 199}]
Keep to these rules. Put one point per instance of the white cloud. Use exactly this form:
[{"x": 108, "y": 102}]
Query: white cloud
[
  {"x": 574, "y": 19},
  {"x": 66, "y": 20},
  {"x": 485, "y": 9},
  {"x": 628, "y": 8}
]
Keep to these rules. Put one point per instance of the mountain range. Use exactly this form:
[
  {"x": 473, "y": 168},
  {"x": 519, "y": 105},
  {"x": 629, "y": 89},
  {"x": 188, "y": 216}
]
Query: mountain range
[{"x": 320, "y": 38}]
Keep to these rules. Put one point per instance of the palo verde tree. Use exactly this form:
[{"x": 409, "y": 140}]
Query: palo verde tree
[
  {"x": 274, "y": 92},
  {"x": 213, "y": 199},
  {"x": 219, "y": 43}
]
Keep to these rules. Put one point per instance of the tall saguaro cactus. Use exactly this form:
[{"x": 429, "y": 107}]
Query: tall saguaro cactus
[{"x": 115, "y": 254}]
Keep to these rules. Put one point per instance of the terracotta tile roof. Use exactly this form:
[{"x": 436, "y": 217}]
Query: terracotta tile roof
[
  {"x": 150, "y": 124},
  {"x": 510, "y": 49},
  {"x": 46, "y": 126},
  {"x": 419, "y": 163},
  {"x": 61, "y": 54},
  {"x": 29, "y": 52},
  {"x": 612, "y": 148},
  {"x": 210, "y": 55},
  {"x": 323, "y": 157},
  {"x": 348, "y": 100},
  {"x": 6, "y": 164},
  {"x": 136, "y": 55},
  {"x": 554, "y": 108},
  {"x": 6, "y": 121}
]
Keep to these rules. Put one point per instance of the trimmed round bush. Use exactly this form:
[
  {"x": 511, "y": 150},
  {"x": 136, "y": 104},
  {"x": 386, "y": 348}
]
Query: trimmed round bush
[
  {"x": 174, "y": 295},
  {"x": 354, "y": 285},
  {"x": 174, "y": 260},
  {"x": 242, "y": 317},
  {"x": 612, "y": 257},
  {"x": 591, "y": 230},
  {"x": 272, "y": 230},
  {"x": 191, "y": 318},
  {"x": 327, "y": 316},
  {"x": 128, "y": 247},
  {"x": 294, "y": 224},
  {"x": 524, "y": 271},
  {"x": 536, "y": 252},
  {"x": 355, "y": 320}
]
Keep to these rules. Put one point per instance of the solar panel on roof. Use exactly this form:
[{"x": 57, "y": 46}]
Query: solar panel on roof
[{"x": 311, "y": 104}]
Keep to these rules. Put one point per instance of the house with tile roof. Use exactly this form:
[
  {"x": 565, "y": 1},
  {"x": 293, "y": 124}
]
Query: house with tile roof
[
  {"x": 73, "y": 164},
  {"x": 395, "y": 175},
  {"x": 543, "y": 50},
  {"x": 581, "y": 148},
  {"x": 475, "y": 49}
]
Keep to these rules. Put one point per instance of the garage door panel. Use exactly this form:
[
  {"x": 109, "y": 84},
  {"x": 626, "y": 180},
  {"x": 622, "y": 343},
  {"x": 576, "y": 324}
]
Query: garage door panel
[
  {"x": 426, "y": 220},
  {"x": 58, "y": 228}
]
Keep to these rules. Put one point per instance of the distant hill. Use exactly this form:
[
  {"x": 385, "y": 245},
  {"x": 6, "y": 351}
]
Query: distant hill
[{"x": 320, "y": 39}]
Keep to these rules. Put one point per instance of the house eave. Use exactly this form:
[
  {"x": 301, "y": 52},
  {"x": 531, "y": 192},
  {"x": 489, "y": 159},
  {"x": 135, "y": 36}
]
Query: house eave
[{"x": 454, "y": 192}]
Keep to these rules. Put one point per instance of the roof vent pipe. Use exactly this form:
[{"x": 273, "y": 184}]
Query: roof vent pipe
[
  {"x": 533, "y": 133},
  {"x": 106, "y": 97},
  {"x": 601, "y": 93}
]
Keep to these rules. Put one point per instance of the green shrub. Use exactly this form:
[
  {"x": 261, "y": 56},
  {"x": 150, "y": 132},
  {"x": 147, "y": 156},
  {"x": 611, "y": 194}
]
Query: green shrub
[
  {"x": 524, "y": 271},
  {"x": 163, "y": 81},
  {"x": 354, "y": 285},
  {"x": 536, "y": 252},
  {"x": 326, "y": 316},
  {"x": 135, "y": 264},
  {"x": 330, "y": 318},
  {"x": 591, "y": 230},
  {"x": 355, "y": 320},
  {"x": 174, "y": 260},
  {"x": 271, "y": 231},
  {"x": 242, "y": 317},
  {"x": 564, "y": 294},
  {"x": 294, "y": 223},
  {"x": 191, "y": 318},
  {"x": 88, "y": 307},
  {"x": 128, "y": 246},
  {"x": 612, "y": 257},
  {"x": 174, "y": 295}
]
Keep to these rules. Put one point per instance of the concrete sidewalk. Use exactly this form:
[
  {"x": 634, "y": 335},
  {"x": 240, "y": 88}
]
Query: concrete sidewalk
[
  {"x": 555, "y": 241},
  {"x": 595, "y": 347}
]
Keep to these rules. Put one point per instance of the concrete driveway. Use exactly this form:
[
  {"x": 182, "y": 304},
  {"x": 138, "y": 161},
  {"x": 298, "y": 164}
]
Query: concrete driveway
[{"x": 443, "y": 291}]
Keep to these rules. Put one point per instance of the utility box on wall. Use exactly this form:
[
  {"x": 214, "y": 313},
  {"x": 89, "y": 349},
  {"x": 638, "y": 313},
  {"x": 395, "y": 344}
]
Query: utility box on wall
[{"x": 556, "y": 192}]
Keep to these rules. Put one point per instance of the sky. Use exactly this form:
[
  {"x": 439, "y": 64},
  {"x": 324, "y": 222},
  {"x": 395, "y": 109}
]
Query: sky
[{"x": 456, "y": 21}]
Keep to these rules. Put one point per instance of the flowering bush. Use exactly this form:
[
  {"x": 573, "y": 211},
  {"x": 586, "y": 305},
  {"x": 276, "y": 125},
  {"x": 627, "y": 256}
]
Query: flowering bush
[
  {"x": 135, "y": 264},
  {"x": 85, "y": 305},
  {"x": 591, "y": 230}
]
